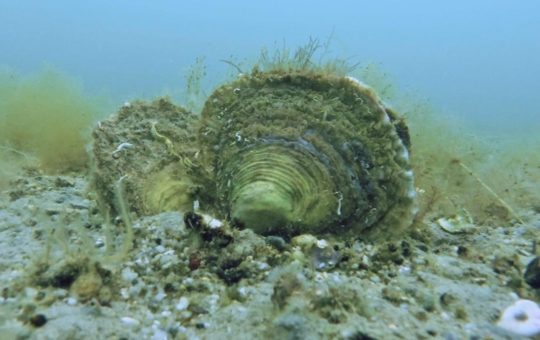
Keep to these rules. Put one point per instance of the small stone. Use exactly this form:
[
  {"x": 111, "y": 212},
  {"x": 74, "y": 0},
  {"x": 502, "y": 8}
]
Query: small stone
[
  {"x": 99, "y": 243},
  {"x": 324, "y": 258},
  {"x": 126, "y": 320},
  {"x": 38, "y": 320},
  {"x": 202, "y": 325},
  {"x": 160, "y": 296},
  {"x": 182, "y": 304},
  {"x": 446, "y": 299},
  {"x": 404, "y": 270},
  {"x": 71, "y": 301},
  {"x": 276, "y": 242},
  {"x": 214, "y": 224},
  {"x": 304, "y": 241},
  {"x": 532, "y": 273},
  {"x": 321, "y": 244},
  {"x": 128, "y": 274}
]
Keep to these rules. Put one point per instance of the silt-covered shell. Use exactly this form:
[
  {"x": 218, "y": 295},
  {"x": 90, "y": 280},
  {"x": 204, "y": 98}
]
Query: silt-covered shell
[
  {"x": 305, "y": 152},
  {"x": 148, "y": 148}
]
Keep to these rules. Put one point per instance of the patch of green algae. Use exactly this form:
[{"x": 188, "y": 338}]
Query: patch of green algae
[{"x": 48, "y": 117}]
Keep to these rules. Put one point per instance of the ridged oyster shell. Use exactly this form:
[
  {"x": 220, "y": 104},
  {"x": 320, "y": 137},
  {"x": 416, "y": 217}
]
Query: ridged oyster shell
[
  {"x": 148, "y": 148},
  {"x": 305, "y": 152}
]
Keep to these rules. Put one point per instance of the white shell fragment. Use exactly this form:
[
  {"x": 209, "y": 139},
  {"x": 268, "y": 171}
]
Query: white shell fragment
[
  {"x": 129, "y": 321},
  {"x": 122, "y": 146},
  {"x": 522, "y": 318},
  {"x": 458, "y": 224},
  {"x": 213, "y": 223},
  {"x": 182, "y": 304}
]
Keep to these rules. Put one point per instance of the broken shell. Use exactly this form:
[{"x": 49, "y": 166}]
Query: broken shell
[{"x": 305, "y": 152}]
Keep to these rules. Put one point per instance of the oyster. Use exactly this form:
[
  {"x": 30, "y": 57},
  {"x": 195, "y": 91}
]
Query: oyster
[
  {"x": 305, "y": 152},
  {"x": 281, "y": 152},
  {"x": 149, "y": 147}
]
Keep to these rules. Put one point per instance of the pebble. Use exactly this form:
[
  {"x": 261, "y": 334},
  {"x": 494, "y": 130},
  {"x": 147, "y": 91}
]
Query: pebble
[
  {"x": 182, "y": 304},
  {"x": 276, "y": 242},
  {"x": 304, "y": 241},
  {"x": 99, "y": 243},
  {"x": 160, "y": 296},
  {"x": 405, "y": 270},
  {"x": 322, "y": 244},
  {"x": 38, "y": 320},
  {"x": 126, "y": 320},
  {"x": 532, "y": 273},
  {"x": 128, "y": 275},
  {"x": 71, "y": 301}
]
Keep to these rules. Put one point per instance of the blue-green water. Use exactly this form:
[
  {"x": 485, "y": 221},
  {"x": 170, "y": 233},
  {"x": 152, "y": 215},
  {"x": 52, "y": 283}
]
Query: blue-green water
[{"x": 476, "y": 60}]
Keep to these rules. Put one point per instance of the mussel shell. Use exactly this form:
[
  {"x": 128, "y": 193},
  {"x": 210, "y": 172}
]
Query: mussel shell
[{"x": 321, "y": 151}]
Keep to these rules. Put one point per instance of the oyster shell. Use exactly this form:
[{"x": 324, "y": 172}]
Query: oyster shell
[
  {"x": 282, "y": 153},
  {"x": 305, "y": 152},
  {"x": 151, "y": 146}
]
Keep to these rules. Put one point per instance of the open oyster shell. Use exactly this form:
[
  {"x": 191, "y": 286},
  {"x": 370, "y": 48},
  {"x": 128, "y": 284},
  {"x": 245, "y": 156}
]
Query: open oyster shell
[{"x": 305, "y": 152}]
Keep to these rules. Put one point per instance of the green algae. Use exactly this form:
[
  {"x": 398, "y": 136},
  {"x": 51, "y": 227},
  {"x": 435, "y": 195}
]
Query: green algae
[{"x": 48, "y": 117}]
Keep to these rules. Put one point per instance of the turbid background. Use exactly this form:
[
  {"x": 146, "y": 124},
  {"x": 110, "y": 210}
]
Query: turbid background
[{"x": 476, "y": 60}]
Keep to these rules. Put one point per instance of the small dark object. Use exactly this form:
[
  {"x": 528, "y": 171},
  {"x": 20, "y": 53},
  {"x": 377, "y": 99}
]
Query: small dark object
[
  {"x": 65, "y": 277},
  {"x": 38, "y": 320},
  {"x": 220, "y": 237},
  {"x": 194, "y": 261},
  {"x": 15, "y": 195},
  {"x": 232, "y": 276},
  {"x": 230, "y": 262},
  {"x": 446, "y": 299},
  {"x": 193, "y": 220},
  {"x": 462, "y": 251},
  {"x": 422, "y": 247},
  {"x": 405, "y": 249},
  {"x": 361, "y": 336},
  {"x": 230, "y": 271},
  {"x": 169, "y": 288},
  {"x": 532, "y": 273},
  {"x": 200, "y": 325}
]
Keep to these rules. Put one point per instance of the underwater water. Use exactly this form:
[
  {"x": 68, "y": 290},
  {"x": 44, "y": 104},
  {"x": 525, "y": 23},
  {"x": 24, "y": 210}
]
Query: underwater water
[
  {"x": 300, "y": 169},
  {"x": 473, "y": 60}
]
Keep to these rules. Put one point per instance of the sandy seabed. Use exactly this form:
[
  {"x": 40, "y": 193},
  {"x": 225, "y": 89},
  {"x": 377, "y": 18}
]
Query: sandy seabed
[{"x": 59, "y": 280}]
